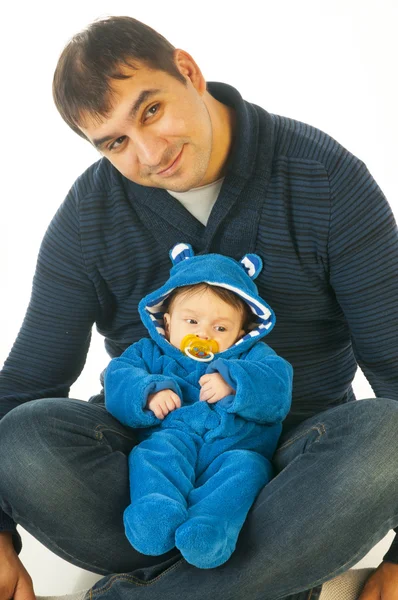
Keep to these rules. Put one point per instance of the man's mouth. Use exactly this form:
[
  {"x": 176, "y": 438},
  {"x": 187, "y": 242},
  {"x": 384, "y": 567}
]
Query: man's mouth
[{"x": 172, "y": 167}]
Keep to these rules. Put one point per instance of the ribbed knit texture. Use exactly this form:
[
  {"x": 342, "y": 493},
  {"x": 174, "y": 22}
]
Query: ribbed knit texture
[{"x": 291, "y": 194}]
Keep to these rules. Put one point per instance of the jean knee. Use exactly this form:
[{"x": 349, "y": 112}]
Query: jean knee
[
  {"x": 375, "y": 451},
  {"x": 387, "y": 434},
  {"x": 379, "y": 419},
  {"x": 28, "y": 435},
  {"x": 16, "y": 429},
  {"x": 17, "y": 426}
]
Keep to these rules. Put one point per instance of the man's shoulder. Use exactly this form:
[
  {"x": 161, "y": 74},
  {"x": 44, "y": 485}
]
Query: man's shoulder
[
  {"x": 97, "y": 195},
  {"x": 303, "y": 142},
  {"x": 99, "y": 192},
  {"x": 99, "y": 178}
]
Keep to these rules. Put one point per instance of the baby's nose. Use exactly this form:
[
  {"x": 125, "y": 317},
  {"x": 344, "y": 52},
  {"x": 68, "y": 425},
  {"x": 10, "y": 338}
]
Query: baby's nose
[{"x": 203, "y": 335}]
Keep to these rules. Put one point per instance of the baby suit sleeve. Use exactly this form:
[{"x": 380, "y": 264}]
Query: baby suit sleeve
[
  {"x": 130, "y": 378},
  {"x": 262, "y": 382}
]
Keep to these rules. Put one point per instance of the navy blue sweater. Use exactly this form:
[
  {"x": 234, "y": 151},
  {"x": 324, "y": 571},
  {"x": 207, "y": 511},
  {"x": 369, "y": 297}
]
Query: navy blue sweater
[{"x": 291, "y": 194}]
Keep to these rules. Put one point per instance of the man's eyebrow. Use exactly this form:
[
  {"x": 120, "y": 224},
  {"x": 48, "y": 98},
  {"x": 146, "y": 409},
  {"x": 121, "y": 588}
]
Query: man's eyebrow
[{"x": 143, "y": 97}]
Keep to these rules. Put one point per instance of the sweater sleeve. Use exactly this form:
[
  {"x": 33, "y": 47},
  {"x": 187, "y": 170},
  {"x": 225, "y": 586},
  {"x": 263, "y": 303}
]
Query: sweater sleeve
[
  {"x": 129, "y": 381},
  {"x": 50, "y": 350},
  {"x": 363, "y": 262},
  {"x": 263, "y": 384},
  {"x": 363, "y": 255}
]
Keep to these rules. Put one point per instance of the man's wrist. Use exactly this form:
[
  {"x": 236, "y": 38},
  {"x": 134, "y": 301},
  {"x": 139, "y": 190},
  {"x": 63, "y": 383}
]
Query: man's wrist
[
  {"x": 392, "y": 560},
  {"x": 6, "y": 543},
  {"x": 391, "y": 555}
]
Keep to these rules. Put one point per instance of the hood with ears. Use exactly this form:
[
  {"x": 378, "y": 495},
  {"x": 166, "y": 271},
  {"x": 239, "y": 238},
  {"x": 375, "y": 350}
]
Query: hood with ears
[{"x": 217, "y": 270}]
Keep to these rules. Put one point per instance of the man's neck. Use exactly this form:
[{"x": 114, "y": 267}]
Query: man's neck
[{"x": 223, "y": 119}]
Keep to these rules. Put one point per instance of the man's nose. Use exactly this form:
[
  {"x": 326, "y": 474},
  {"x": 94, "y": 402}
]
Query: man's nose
[{"x": 150, "y": 150}]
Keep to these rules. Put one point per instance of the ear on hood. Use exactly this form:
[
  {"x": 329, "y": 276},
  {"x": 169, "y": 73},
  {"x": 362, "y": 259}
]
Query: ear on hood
[{"x": 251, "y": 263}]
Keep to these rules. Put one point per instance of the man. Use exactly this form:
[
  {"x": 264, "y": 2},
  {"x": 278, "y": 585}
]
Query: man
[{"x": 186, "y": 161}]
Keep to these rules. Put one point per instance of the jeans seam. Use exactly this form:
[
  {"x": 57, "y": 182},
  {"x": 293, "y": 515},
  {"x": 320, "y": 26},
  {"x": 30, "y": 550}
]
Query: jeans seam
[
  {"x": 100, "y": 428},
  {"x": 132, "y": 579},
  {"x": 320, "y": 428}
]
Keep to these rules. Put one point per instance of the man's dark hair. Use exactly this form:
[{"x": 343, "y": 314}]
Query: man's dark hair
[{"x": 93, "y": 57}]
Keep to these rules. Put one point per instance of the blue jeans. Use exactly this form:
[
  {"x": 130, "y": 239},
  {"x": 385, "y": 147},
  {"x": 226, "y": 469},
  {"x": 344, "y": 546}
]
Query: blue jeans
[{"x": 64, "y": 478}]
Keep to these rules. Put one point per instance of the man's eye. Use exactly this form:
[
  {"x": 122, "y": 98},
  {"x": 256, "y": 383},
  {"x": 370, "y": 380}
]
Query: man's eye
[
  {"x": 117, "y": 143},
  {"x": 152, "y": 108}
]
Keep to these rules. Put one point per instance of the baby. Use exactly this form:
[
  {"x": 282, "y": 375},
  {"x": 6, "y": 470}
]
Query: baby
[
  {"x": 208, "y": 397},
  {"x": 207, "y": 312}
]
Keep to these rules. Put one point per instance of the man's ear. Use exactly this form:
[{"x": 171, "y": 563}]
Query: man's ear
[
  {"x": 188, "y": 68},
  {"x": 166, "y": 321}
]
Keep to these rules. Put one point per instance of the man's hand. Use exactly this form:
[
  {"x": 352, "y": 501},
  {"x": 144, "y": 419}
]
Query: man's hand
[
  {"x": 15, "y": 582},
  {"x": 382, "y": 584},
  {"x": 214, "y": 388},
  {"x": 162, "y": 403}
]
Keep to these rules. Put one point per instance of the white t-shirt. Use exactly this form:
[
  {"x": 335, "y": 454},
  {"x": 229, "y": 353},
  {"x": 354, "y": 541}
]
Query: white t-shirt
[{"x": 200, "y": 201}]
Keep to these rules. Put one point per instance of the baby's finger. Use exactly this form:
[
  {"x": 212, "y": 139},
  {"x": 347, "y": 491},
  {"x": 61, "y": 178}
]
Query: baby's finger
[
  {"x": 207, "y": 388},
  {"x": 213, "y": 399},
  {"x": 204, "y": 379},
  {"x": 176, "y": 399},
  {"x": 169, "y": 404},
  {"x": 205, "y": 394},
  {"x": 202, "y": 393},
  {"x": 158, "y": 412},
  {"x": 164, "y": 406}
]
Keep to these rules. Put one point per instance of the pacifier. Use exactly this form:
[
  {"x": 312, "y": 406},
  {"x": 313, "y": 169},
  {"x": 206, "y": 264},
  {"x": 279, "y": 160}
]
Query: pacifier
[{"x": 197, "y": 348}]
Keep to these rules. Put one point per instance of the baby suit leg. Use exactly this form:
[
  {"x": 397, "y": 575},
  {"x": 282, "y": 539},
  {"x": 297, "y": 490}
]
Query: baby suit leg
[
  {"x": 162, "y": 473},
  {"x": 218, "y": 506}
]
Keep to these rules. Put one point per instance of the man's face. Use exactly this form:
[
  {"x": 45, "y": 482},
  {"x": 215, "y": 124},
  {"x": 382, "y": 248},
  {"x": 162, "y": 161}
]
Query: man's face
[
  {"x": 205, "y": 315},
  {"x": 159, "y": 132}
]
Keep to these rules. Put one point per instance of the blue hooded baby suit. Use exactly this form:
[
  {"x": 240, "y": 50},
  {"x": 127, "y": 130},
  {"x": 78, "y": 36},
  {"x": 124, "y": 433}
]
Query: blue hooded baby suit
[{"x": 195, "y": 474}]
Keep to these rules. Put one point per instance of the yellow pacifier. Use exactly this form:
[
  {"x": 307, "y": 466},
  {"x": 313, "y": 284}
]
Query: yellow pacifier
[{"x": 197, "y": 348}]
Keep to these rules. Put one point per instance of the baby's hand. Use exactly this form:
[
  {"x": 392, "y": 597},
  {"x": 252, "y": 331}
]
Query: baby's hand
[
  {"x": 163, "y": 402},
  {"x": 214, "y": 388}
]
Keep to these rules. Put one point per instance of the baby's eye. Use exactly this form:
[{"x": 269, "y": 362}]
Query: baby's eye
[
  {"x": 220, "y": 328},
  {"x": 192, "y": 321}
]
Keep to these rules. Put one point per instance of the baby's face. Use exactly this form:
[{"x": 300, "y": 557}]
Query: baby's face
[{"x": 206, "y": 315}]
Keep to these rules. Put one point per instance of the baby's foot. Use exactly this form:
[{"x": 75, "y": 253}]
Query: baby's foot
[
  {"x": 203, "y": 542},
  {"x": 151, "y": 522}
]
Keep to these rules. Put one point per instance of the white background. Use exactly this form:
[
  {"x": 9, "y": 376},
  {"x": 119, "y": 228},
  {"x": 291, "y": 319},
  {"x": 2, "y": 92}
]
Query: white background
[{"x": 331, "y": 64}]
